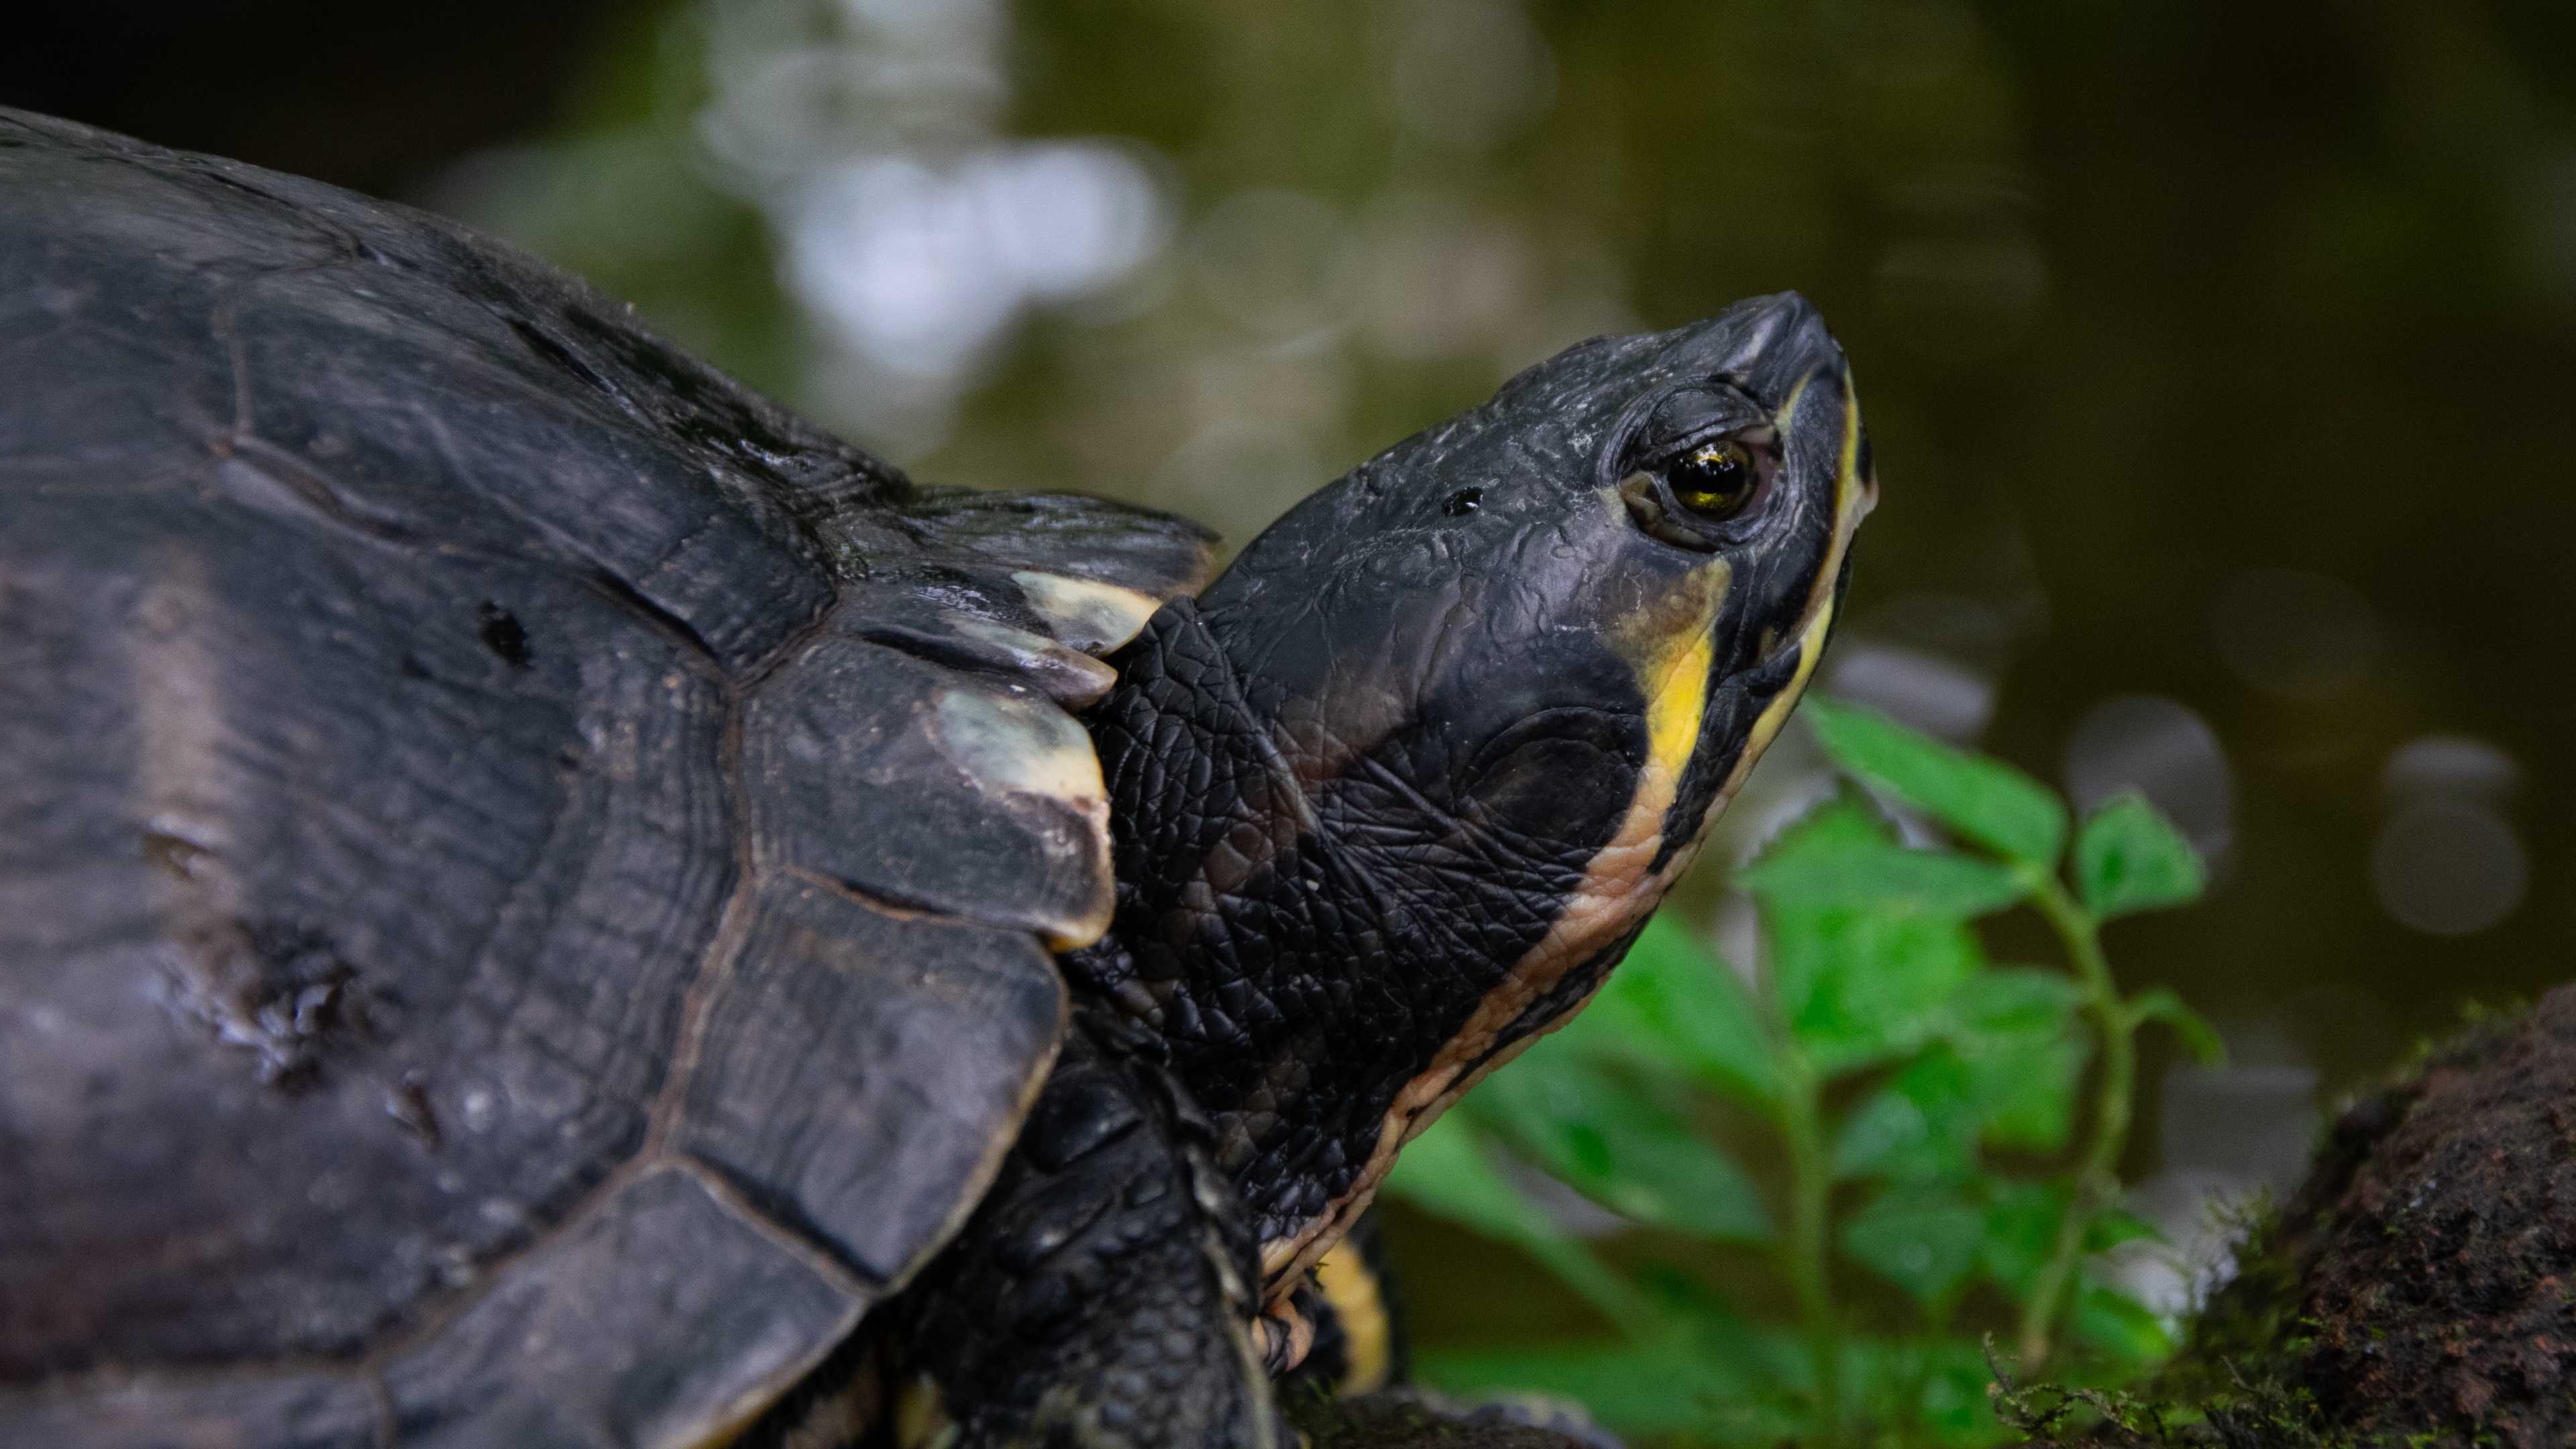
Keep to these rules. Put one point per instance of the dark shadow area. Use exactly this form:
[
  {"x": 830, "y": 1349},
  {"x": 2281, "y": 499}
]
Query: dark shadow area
[{"x": 371, "y": 97}]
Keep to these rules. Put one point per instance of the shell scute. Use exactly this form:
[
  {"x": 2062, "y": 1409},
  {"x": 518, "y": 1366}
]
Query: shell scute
[
  {"x": 929, "y": 789},
  {"x": 865, "y": 1068}
]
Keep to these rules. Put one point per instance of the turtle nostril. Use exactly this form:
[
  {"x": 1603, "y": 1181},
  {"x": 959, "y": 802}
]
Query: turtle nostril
[{"x": 1463, "y": 502}]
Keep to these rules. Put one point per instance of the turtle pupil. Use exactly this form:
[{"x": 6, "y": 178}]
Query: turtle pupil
[
  {"x": 1463, "y": 502},
  {"x": 1714, "y": 480}
]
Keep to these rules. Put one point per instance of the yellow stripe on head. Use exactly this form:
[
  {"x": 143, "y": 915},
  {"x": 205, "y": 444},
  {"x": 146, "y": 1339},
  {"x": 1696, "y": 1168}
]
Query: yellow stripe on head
[
  {"x": 1789, "y": 410},
  {"x": 1672, "y": 642},
  {"x": 1776, "y": 713},
  {"x": 1854, "y": 496},
  {"x": 1675, "y": 704}
]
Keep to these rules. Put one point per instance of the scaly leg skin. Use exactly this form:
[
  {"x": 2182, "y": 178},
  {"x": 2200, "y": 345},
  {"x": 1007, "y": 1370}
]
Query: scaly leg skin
[{"x": 1102, "y": 1296}]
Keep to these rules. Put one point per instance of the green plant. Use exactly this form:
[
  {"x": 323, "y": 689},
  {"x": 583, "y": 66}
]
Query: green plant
[{"x": 1919, "y": 1112}]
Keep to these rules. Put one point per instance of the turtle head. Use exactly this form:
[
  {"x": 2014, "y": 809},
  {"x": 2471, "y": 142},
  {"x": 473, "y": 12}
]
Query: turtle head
[
  {"x": 1550, "y": 635},
  {"x": 1482, "y": 699}
]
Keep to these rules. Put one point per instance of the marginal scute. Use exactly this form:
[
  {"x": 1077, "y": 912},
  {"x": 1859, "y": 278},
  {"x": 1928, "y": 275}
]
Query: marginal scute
[
  {"x": 1094, "y": 617},
  {"x": 1008, "y": 744},
  {"x": 954, "y": 617},
  {"x": 922, "y": 787},
  {"x": 865, "y": 1068},
  {"x": 601, "y": 1338},
  {"x": 1072, "y": 679},
  {"x": 1031, "y": 585}
]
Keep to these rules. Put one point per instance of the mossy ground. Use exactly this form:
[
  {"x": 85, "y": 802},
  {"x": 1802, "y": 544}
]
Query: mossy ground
[{"x": 2418, "y": 1291}]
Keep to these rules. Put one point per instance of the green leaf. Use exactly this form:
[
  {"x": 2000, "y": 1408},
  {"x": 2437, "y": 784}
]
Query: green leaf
[
  {"x": 1673, "y": 1004},
  {"x": 1920, "y": 1126},
  {"x": 1860, "y": 986},
  {"x": 2198, "y": 1036},
  {"x": 2014, "y": 1029},
  {"x": 1986, "y": 800},
  {"x": 1618, "y": 1146},
  {"x": 1839, "y": 856},
  {"x": 1925, "y": 1241},
  {"x": 1448, "y": 1171},
  {"x": 2016, "y": 999},
  {"x": 1445, "y": 1172},
  {"x": 1956, "y": 1403},
  {"x": 2130, "y": 858},
  {"x": 2021, "y": 1233},
  {"x": 2026, "y": 1088}
]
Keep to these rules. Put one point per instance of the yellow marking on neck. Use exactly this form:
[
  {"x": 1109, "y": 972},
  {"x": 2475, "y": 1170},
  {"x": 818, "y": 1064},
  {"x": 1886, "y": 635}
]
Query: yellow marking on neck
[
  {"x": 1671, "y": 642},
  {"x": 1368, "y": 1338}
]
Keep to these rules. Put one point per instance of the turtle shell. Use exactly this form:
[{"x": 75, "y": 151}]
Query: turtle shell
[{"x": 526, "y": 871}]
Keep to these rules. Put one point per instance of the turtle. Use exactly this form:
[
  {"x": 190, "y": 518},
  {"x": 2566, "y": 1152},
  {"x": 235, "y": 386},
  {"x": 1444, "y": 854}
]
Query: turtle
[{"x": 547, "y": 901}]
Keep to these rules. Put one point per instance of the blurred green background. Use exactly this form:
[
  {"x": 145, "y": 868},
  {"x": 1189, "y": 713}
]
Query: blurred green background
[{"x": 2214, "y": 356}]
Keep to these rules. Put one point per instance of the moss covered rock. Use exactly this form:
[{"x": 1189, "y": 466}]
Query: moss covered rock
[{"x": 2419, "y": 1290}]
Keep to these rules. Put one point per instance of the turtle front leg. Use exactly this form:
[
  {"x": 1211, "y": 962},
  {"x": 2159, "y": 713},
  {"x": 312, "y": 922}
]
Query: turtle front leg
[
  {"x": 1101, "y": 1297},
  {"x": 1103, "y": 1294}
]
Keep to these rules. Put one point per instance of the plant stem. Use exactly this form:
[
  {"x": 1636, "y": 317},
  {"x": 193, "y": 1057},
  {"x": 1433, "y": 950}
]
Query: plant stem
[
  {"x": 1811, "y": 1181},
  {"x": 2097, "y": 1179}
]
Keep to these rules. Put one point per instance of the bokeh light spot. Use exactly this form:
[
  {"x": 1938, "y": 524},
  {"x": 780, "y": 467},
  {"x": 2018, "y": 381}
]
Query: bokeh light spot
[
  {"x": 2161, "y": 749},
  {"x": 921, "y": 268},
  {"x": 2449, "y": 765},
  {"x": 2448, "y": 867}
]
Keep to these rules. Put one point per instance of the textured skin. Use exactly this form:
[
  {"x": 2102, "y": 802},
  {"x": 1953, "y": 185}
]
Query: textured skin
[
  {"x": 433, "y": 1008},
  {"x": 1296, "y": 964}
]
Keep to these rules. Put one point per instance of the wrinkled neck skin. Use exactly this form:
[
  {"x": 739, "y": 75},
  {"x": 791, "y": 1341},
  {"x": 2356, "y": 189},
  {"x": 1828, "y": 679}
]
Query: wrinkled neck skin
[{"x": 1332, "y": 957}]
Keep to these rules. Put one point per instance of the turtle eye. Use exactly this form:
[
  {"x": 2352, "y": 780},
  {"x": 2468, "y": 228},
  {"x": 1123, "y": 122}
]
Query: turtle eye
[
  {"x": 1715, "y": 480},
  {"x": 1701, "y": 497}
]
